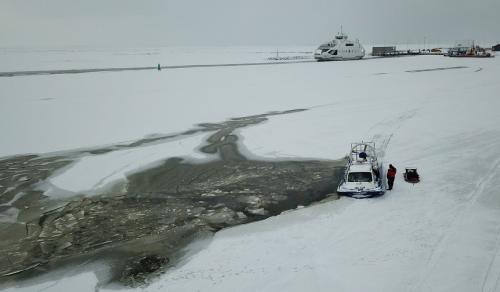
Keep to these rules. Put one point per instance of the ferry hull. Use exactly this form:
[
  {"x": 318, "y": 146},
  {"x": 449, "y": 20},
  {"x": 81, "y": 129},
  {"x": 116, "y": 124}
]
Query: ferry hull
[{"x": 322, "y": 59}]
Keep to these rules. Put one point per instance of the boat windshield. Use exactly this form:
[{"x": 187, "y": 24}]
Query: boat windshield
[{"x": 359, "y": 177}]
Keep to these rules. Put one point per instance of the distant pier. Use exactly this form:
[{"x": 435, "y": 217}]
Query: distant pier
[{"x": 391, "y": 51}]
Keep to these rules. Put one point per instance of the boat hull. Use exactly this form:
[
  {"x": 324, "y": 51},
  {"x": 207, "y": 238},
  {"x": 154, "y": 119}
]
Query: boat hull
[
  {"x": 471, "y": 56},
  {"x": 361, "y": 194},
  {"x": 321, "y": 58}
]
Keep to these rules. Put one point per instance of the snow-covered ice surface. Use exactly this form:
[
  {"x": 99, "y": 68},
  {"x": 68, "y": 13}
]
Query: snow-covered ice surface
[
  {"x": 105, "y": 108},
  {"x": 442, "y": 234},
  {"x": 27, "y": 59}
]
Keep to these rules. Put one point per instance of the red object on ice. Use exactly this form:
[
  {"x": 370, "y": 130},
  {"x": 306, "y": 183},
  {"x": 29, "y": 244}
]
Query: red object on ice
[{"x": 411, "y": 175}]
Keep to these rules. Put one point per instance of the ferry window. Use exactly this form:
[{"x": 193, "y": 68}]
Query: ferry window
[
  {"x": 359, "y": 177},
  {"x": 349, "y": 45}
]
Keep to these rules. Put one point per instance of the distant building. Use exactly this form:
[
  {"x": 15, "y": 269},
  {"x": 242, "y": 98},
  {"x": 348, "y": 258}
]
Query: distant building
[
  {"x": 382, "y": 51},
  {"x": 496, "y": 48}
]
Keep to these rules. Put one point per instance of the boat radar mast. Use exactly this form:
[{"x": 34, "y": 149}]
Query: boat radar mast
[{"x": 341, "y": 35}]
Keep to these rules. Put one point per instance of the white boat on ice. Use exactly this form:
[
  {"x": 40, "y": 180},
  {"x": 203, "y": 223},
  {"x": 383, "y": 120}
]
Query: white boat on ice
[
  {"x": 340, "y": 48},
  {"x": 363, "y": 174}
]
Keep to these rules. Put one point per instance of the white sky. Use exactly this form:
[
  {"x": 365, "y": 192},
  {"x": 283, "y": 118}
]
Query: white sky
[{"x": 56, "y": 23}]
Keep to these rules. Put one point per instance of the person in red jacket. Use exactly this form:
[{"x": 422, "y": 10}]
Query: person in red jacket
[{"x": 391, "y": 174}]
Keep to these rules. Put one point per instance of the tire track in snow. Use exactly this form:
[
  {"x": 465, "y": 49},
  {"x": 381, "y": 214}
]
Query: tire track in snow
[
  {"x": 491, "y": 279},
  {"x": 391, "y": 126},
  {"x": 442, "y": 244}
]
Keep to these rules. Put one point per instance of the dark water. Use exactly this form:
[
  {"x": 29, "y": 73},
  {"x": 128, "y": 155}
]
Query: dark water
[{"x": 141, "y": 231}]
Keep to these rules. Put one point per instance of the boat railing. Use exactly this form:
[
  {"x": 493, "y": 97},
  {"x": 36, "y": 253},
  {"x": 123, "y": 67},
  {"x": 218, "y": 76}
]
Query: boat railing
[{"x": 368, "y": 150}]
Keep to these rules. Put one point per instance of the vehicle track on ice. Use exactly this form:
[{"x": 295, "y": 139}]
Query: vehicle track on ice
[{"x": 458, "y": 228}]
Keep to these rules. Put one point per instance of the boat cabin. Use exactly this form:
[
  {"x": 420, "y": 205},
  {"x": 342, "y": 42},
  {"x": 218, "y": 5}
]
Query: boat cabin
[{"x": 362, "y": 173}]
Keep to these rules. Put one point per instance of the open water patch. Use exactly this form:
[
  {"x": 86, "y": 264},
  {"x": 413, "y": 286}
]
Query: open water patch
[{"x": 142, "y": 227}]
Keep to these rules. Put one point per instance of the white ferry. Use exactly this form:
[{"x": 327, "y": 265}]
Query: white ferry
[{"x": 340, "y": 48}]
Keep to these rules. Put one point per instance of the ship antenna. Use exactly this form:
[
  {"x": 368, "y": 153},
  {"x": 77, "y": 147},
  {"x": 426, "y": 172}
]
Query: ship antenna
[{"x": 341, "y": 32}]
